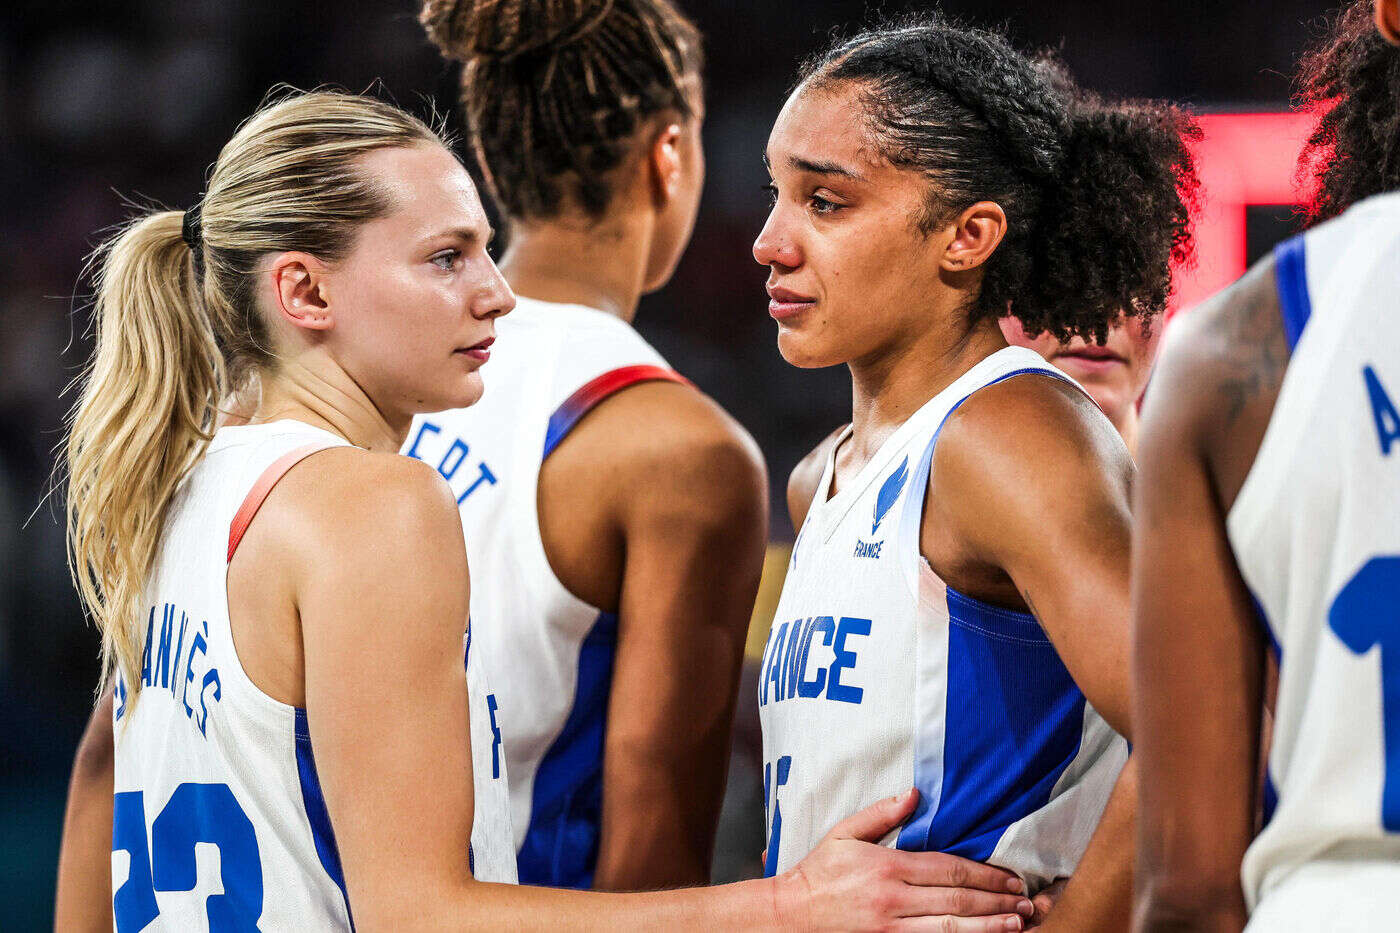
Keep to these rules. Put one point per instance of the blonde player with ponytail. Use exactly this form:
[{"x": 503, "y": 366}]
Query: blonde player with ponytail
[{"x": 283, "y": 603}]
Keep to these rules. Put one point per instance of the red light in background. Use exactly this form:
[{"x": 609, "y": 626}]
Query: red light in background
[{"x": 1243, "y": 159}]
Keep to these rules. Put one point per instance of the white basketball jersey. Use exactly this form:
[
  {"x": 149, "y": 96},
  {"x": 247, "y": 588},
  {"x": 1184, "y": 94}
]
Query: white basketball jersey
[
  {"x": 878, "y": 677},
  {"x": 1316, "y": 533},
  {"x": 551, "y": 653},
  {"x": 218, "y": 821}
]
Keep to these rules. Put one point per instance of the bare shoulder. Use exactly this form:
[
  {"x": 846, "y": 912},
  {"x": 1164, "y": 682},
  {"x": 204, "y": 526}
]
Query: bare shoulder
[
  {"x": 1030, "y": 432},
  {"x": 345, "y": 500},
  {"x": 804, "y": 478},
  {"x": 1214, "y": 389},
  {"x": 1225, "y": 356},
  {"x": 667, "y": 440}
]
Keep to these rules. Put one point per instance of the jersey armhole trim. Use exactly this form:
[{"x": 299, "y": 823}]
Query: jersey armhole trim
[
  {"x": 1291, "y": 277},
  {"x": 909, "y": 551},
  {"x": 259, "y": 493},
  {"x": 587, "y": 396}
]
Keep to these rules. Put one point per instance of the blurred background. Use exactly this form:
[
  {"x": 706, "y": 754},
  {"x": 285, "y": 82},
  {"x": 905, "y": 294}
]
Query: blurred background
[{"x": 108, "y": 104}]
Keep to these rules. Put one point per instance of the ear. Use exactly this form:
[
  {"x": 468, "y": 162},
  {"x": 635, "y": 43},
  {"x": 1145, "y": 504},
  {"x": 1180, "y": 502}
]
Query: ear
[
  {"x": 976, "y": 234},
  {"x": 1388, "y": 20},
  {"x": 664, "y": 160},
  {"x": 299, "y": 291}
]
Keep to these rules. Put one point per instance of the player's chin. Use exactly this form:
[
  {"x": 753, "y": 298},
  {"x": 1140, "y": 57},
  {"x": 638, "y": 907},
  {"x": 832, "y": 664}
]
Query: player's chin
[
  {"x": 806, "y": 350},
  {"x": 457, "y": 390},
  {"x": 469, "y": 389}
]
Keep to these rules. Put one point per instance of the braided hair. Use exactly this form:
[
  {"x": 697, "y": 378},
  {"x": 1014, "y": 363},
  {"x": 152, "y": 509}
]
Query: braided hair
[
  {"x": 1097, "y": 195},
  {"x": 1353, "y": 78},
  {"x": 555, "y": 90}
]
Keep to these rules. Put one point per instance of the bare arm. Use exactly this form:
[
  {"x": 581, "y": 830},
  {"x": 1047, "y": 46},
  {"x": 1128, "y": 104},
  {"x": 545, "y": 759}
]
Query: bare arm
[
  {"x": 84, "y": 898},
  {"x": 1052, "y": 513},
  {"x": 1199, "y": 744},
  {"x": 381, "y": 591},
  {"x": 694, "y": 519}
]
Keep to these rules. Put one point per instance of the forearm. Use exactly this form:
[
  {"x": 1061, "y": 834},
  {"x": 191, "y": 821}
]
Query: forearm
[
  {"x": 652, "y": 841},
  {"x": 1099, "y": 896},
  {"x": 1201, "y": 904},
  {"x": 749, "y": 905},
  {"x": 83, "y": 901},
  {"x": 661, "y": 811}
]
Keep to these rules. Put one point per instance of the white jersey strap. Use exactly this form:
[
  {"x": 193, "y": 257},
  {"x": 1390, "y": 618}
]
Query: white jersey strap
[{"x": 911, "y": 519}]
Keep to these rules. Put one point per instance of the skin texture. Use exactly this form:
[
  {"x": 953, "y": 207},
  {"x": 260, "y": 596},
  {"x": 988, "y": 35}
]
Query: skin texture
[
  {"x": 1114, "y": 374},
  {"x": 1202, "y": 427},
  {"x": 842, "y": 219},
  {"x": 1388, "y": 20},
  {"x": 83, "y": 902},
  {"x": 349, "y": 596}
]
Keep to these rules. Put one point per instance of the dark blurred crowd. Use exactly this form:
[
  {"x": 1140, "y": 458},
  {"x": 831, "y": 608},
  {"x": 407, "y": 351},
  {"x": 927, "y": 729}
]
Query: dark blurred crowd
[{"x": 105, "y": 106}]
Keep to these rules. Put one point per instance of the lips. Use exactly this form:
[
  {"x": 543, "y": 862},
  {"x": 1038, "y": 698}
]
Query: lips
[
  {"x": 481, "y": 352},
  {"x": 1091, "y": 358},
  {"x": 784, "y": 303},
  {"x": 1094, "y": 353}
]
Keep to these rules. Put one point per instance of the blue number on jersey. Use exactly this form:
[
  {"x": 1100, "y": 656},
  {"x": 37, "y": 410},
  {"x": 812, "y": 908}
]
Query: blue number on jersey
[
  {"x": 195, "y": 813},
  {"x": 134, "y": 904},
  {"x": 1365, "y": 614},
  {"x": 770, "y": 800},
  {"x": 495, "y": 737}
]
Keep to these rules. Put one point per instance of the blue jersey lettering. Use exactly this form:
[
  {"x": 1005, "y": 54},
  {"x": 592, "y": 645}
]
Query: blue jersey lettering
[{"x": 1382, "y": 410}]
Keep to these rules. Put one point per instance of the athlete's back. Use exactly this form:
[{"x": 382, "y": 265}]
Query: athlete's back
[
  {"x": 1315, "y": 531},
  {"x": 205, "y": 756},
  {"x": 552, "y": 652}
]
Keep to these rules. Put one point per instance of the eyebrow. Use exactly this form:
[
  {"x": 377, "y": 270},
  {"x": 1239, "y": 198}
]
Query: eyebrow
[
  {"x": 819, "y": 167},
  {"x": 470, "y": 233}
]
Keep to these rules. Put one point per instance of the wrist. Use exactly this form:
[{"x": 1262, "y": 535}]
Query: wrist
[{"x": 789, "y": 895}]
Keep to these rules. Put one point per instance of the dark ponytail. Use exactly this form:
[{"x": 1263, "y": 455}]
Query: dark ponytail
[
  {"x": 1096, "y": 195},
  {"x": 554, "y": 91},
  {"x": 1353, "y": 78}
]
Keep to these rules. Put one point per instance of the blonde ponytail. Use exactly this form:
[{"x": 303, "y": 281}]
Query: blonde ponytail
[
  {"x": 175, "y": 337},
  {"x": 144, "y": 417}
]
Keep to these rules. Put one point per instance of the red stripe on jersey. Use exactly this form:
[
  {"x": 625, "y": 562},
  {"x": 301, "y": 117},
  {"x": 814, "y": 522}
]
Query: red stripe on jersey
[
  {"x": 258, "y": 494},
  {"x": 591, "y": 393}
]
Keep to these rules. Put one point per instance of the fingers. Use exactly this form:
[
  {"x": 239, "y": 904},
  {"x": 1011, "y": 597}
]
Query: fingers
[
  {"x": 876, "y": 820},
  {"x": 1002, "y": 924},
  {"x": 960, "y": 902},
  {"x": 1045, "y": 900},
  {"x": 937, "y": 868}
]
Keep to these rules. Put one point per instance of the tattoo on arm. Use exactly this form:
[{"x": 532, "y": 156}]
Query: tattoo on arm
[{"x": 1254, "y": 348}]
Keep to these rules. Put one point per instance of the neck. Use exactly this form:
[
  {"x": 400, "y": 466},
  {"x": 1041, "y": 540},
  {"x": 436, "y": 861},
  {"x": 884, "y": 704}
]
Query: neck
[
  {"x": 570, "y": 260},
  {"x": 890, "y": 385},
  {"x": 1126, "y": 422},
  {"x": 313, "y": 389}
]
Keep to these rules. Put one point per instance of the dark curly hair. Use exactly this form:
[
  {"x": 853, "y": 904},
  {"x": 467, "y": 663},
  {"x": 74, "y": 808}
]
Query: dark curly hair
[
  {"x": 1353, "y": 78},
  {"x": 555, "y": 90},
  {"x": 1097, "y": 194}
]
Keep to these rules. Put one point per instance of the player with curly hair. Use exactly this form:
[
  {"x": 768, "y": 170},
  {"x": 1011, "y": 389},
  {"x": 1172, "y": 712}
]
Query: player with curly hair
[{"x": 956, "y": 610}]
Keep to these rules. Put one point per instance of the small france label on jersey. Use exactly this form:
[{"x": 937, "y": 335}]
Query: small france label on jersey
[{"x": 884, "y": 501}]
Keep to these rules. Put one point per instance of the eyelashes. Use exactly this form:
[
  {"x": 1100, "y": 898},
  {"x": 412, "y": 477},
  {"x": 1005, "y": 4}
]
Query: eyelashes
[{"x": 815, "y": 203}]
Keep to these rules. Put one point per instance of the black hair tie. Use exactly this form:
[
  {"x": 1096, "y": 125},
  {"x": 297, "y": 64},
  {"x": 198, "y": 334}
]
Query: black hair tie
[{"x": 191, "y": 230}]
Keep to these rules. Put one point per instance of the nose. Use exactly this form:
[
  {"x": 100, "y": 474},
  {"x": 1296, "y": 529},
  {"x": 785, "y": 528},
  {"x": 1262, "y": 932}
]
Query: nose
[
  {"x": 774, "y": 247},
  {"x": 494, "y": 298}
]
